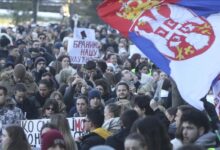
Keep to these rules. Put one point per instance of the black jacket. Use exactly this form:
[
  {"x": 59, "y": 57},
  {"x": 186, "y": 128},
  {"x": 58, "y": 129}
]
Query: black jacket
[
  {"x": 91, "y": 140},
  {"x": 28, "y": 108},
  {"x": 94, "y": 138},
  {"x": 117, "y": 140}
]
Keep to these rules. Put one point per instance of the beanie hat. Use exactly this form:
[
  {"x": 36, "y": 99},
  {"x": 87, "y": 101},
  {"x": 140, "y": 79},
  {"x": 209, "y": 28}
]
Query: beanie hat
[
  {"x": 90, "y": 65},
  {"x": 19, "y": 42},
  {"x": 50, "y": 138},
  {"x": 38, "y": 59},
  {"x": 94, "y": 93},
  {"x": 58, "y": 45},
  {"x": 19, "y": 71}
]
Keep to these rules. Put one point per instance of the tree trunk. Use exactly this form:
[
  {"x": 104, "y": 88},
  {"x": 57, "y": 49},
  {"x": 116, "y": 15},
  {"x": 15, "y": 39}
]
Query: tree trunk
[{"x": 35, "y": 4}]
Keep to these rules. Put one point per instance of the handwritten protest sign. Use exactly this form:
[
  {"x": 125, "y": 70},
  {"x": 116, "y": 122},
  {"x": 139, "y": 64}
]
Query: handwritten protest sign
[
  {"x": 32, "y": 129},
  {"x": 81, "y": 51}
]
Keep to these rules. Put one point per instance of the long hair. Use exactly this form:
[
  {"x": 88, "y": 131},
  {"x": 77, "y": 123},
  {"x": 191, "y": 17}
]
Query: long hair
[
  {"x": 17, "y": 138},
  {"x": 48, "y": 103},
  {"x": 55, "y": 93},
  {"x": 154, "y": 133},
  {"x": 62, "y": 124}
]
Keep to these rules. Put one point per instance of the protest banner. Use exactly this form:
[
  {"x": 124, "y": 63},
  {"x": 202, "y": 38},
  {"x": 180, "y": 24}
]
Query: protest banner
[
  {"x": 81, "y": 51},
  {"x": 76, "y": 126},
  {"x": 32, "y": 129}
]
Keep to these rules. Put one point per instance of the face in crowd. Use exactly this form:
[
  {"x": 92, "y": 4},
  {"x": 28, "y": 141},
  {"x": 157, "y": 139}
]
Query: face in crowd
[
  {"x": 81, "y": 106},
  {"x": 20, "y": 96},
  {"x": 95, "y": 102},
  {"x": 49, "y": 111},
  {"x": 190, "y": 132},
  {"x": 122, "y": 92},
  {"x": 41, "y": 65},
  {"x": 44, "y": 90},
  {"x": 65, "y": 62}
]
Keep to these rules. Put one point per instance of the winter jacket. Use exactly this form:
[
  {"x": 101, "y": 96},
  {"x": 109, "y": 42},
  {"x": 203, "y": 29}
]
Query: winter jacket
[
  {"x": 112, "y": 125},
  {"x": 28, "y": 108},
  {"x": 96, "y": 137},
  {"x": 117, "y": 141},
  {"x": 207, "y": 140},
  {"x": 9, "y": 114},
  {"x": 7, "y": 80}
]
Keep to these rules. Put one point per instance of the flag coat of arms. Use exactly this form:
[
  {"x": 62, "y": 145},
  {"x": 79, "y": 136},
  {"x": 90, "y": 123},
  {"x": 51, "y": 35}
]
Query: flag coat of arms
[{"x": 182, "y": 37}]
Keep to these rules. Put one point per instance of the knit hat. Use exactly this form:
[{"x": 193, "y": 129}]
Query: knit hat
[
  {"x": 94, "y": 93},
  {"x": 90, "y": 65},
  {"x": 38, "y": 59},
  {"x": 50, "y": 138},
  {"x": 19, "y": 71},
  {"x": 58, "y": 45},
  {"x": 19, "y": 42}
]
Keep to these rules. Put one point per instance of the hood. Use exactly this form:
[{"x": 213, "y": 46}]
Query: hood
[
  {"x": 112, "y": 123},
  {"x": 102, "y": 132},
  {"x": 206, "y": 140}
]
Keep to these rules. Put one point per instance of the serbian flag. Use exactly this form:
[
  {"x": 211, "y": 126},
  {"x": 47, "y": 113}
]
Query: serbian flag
[{"x": 182, "y": 37}]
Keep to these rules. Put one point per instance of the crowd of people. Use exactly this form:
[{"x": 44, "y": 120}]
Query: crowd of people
[{"x": 127, "y": 102}]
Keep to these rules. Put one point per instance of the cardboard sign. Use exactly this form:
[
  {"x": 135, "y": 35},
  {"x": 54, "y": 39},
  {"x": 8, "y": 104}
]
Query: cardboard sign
[
  {"x": 81, "y": 51},
  {"x": 84, "y": 33}
]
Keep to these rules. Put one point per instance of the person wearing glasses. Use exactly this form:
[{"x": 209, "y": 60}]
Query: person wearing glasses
[
  {"x": 50, "y": 107},
  {"x": 93, "y": 124}
]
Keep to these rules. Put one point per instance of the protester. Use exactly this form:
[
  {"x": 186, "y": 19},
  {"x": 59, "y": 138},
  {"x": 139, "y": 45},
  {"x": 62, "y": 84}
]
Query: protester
[
  {"x": 19, "y": 74},
  {"x": 46, "y": 127},
  {"x": 81, "y": 109},
  {"x": 127, "y": 119},
  {"x": 180, "y": 111},
  {"x": 9, "y": 113},
  {"x": 13, "y": 137},
  {"x": 73, "y": 90},
  {"x": 154, "y": 132},
  {"x": 92, "y": 73},
  {"x": 171, "y": 115},
  {"x": 112, "y": 114},
  {"x": 135, "y": 141},
  {"x": 50, "y": 107},
  {"x": 44, "y": 91},
  {"x": 95, "y": 101},
  {"x": 62, "y": 125},
  {"x": 195, "y": 128},
  {"x": 22, "y": 101},
  {"x": 142, "y": 105},
  {"x": 52, "y": 140},
  {"x": 103, "y": 88},
  {"x": 39, "y": 68},
  {"x": 122, "y": 93},
  {"x": 93, "y": 124},
  {"x": 59, "y": 98}
]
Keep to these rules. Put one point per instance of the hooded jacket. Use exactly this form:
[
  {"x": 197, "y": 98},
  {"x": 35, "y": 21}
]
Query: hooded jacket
[
  {"x": 207, "y": 140},
  {"x": 7, "y": 80}
]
